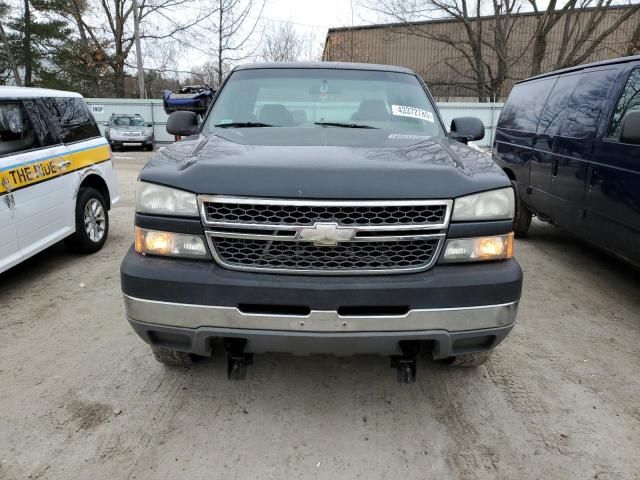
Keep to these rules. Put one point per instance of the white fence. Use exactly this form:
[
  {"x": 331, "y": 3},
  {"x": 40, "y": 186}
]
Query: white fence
[{"x": 152, "y": 111}]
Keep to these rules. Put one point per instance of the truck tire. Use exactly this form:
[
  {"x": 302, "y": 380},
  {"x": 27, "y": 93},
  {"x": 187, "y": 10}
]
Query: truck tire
[
  {"x": 171, "y": 357},
  {"x": 522, "y": 218},
  {"x": 475, "y": 359},
  {"x": 92, "y": 222}
]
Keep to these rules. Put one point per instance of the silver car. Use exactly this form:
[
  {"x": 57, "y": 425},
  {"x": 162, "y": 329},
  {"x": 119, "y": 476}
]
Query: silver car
[{"x": 126, "y": 130}]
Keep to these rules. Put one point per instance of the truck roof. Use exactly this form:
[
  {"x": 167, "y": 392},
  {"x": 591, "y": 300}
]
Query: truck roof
[
  {"x": 331, "y": 65},
  {"x": 613, "y": 61},
  {"x": 31, "y": 92}
]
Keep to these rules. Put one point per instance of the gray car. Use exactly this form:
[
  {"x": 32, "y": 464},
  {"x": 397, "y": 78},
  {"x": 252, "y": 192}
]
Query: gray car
[{"x": 124, "y": 130}]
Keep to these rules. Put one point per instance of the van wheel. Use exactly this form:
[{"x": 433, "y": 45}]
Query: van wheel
[
  {"x": 475, "y": 359},
  {"x": 171, "y": 357},
  {"x": 522, "y": 218},
  {"x": 92, "y": 222}
]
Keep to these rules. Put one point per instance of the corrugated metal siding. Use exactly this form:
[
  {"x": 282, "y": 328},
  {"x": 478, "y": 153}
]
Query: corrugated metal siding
[
  {"x": 152, "y": 111},
  {"x": 442, "y": 66}
]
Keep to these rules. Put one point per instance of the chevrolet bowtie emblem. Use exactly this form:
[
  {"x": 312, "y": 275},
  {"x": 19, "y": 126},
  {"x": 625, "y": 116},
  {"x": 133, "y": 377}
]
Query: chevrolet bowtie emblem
[{"x": 326, "y": 234}]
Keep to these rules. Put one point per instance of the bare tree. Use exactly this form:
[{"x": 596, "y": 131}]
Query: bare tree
[
  {"x": 480, "y": 52},
  {"x": 582, "y": 32},
  {"x": 9, "y": 55},
  {"x": 111, "y": 33},
  {"x": 582, "y": 35},
  {"x": 234, "y": 24},
  {"x": 281, "y": 43},
  {"x": 633, "y": 46},
  {"x": 470, "y": 64},
  {"x": 546, "y": 20}
]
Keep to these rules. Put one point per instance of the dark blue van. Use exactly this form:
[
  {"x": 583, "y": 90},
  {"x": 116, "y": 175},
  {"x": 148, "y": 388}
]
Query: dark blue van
[{"x": 570, "y": 142}]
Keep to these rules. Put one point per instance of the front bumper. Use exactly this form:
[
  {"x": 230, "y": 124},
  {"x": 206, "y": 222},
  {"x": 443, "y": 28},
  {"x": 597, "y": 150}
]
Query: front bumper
[
  {"x": 187, "y": 305},
  {"x": 120, "y": 139}
]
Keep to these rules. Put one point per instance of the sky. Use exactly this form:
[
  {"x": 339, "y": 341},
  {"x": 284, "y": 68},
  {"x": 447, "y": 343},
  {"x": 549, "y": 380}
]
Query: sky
[
  {"x": 310, "y": 18},
  {"x": 314, "y": 15}
]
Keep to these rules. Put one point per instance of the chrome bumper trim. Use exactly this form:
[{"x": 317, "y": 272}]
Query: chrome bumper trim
[{"x": 195, "y": 316}]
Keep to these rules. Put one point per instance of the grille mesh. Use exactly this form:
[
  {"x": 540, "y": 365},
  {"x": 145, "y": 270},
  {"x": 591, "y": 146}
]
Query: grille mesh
[
  {"x": 353, "y": 256},
  {"x": 306, "y": 215}
]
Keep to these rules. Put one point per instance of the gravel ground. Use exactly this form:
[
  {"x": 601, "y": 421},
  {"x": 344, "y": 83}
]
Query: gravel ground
[{"x": 82, "y": 397}]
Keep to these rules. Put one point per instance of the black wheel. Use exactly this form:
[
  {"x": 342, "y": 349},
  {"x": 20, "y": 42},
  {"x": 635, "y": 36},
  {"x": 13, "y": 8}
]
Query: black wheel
[
  {"x": 92, "y": 222},
  {"x": 149, "y": 148},
  {"x": 522, "y": 218},
  {"x": 171, "y": 357},
  {"x": 471, "y": 359}
]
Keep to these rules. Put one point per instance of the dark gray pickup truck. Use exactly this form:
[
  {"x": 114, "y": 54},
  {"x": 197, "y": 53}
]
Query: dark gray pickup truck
[{"x": 322, "y": 208}]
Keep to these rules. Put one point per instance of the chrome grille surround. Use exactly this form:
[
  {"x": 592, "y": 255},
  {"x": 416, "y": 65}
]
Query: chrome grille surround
[{"x": 337, "y": 243}]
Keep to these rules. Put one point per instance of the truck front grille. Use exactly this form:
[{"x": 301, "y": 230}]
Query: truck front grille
[
  {"x": 306, "y": 257},
  {"x": 324, "y": 237}
]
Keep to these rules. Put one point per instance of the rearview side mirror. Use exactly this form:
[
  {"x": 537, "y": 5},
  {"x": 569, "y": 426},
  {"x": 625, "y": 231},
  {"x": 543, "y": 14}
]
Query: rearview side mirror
[
  {"x": 182, "y": 123},
  {"x": 630, "y": 129},
  {"x": 466, "y": 129}
]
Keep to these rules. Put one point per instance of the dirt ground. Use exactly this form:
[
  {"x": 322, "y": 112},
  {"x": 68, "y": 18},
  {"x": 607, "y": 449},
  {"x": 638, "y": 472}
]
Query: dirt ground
[{"x": 82, "y": 398}]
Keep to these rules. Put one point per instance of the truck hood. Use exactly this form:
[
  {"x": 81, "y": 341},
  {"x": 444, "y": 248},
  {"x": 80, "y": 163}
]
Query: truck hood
[{"x": 327, "y": 163}]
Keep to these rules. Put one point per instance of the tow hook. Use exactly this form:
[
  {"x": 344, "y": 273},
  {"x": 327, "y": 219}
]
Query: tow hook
[
  {"x": 405, "y": 364},
  {"x": 237, "y": 360}
]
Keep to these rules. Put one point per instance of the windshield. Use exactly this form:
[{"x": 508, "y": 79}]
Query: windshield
[
  {"x": 128, "y": 122},
  {"x": 324, "y": 98}
]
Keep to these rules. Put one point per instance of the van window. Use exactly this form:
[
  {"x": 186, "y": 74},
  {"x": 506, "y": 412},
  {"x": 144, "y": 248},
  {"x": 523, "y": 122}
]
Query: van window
[
  {"x": 16, "y": 131},
  {"x": 629, "y": 101},
  {"x": 524, "y": 105},
  {"x": 575, "y": 103},
  {"x": 42, "y": 125},
  {"x": 75, "y": 120}
]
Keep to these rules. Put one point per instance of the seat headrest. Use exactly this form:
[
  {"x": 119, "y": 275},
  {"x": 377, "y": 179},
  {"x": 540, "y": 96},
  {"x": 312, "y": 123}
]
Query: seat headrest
[
  {"x": 373, "y": 109},
  {"x": 276, "y": 114}
]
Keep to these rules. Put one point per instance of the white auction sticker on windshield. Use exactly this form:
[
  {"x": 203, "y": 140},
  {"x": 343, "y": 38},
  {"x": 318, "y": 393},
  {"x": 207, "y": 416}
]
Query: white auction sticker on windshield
[{"x": 413, "y": 112}]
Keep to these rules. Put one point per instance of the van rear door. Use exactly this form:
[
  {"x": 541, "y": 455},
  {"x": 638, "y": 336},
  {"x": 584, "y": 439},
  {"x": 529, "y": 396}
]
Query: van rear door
[{"x": 612, "y": 205}]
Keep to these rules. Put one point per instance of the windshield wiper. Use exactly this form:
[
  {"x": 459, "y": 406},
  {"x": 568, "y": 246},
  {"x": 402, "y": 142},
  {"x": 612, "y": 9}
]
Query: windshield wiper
[
  {"x": 343, "y": 125},
  {"x": 242, "y": 125}
]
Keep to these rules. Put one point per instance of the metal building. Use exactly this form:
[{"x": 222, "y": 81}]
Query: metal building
[{"x": 434, "y": 49}]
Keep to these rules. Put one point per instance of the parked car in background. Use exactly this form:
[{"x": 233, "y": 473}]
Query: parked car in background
[
  {"x": 56, "y": 176},
  {"x": 125, "y": 130},
  {"x": 322, "y": 208},
  {"x": 570, "y": 142}
]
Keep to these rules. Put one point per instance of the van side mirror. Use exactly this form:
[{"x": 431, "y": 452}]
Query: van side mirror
[
  {"x": 466, "y": 129},
  {"x": 149, "y": 124},
  {"x": 182, "y": 123},
  {"x": 630, "y": 129}
]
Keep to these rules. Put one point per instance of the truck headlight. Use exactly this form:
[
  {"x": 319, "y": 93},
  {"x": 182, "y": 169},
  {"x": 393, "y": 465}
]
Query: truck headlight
[
  {"x": 493, "y": 205},
  {"x": 159, "y": 200},
  {"x": 154, "y": 242},
  {"x": 147, "y": 132},
  {"x": 477, "y": 249}
]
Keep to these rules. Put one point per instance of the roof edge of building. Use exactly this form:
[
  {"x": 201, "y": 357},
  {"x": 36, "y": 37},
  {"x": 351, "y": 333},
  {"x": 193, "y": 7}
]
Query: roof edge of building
[{"x": 375, "y": 26}]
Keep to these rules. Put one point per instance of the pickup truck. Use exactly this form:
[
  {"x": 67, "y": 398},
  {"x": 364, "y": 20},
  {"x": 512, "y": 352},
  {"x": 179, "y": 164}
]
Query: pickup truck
[{"x": 322, "y": 208}]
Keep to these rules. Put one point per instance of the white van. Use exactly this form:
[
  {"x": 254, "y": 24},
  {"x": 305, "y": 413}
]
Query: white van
[{"x": 56, "y": 175}]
